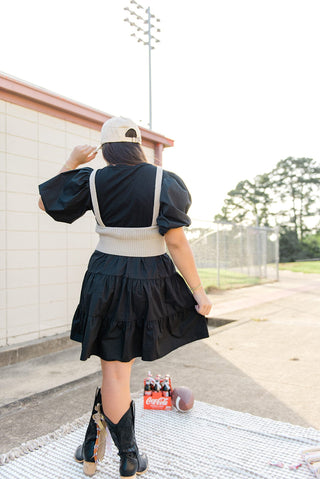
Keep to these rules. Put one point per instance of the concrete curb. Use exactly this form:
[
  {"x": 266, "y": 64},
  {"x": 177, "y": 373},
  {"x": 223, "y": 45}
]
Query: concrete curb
[
  {"x": 6, "y": 408},
  {"x": 33, "y": 349}
]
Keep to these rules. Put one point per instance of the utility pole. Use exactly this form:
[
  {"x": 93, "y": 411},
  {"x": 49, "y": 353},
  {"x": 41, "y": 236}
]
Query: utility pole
[{"x": 143, "y": 33}]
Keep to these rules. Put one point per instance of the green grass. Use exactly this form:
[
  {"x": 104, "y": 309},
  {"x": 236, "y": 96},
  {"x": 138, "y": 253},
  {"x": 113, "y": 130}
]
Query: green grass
[
  {"x": 228, "y": 279},
  {"x": 302, "y": 267},
  {"x": 231, "y": 279}
]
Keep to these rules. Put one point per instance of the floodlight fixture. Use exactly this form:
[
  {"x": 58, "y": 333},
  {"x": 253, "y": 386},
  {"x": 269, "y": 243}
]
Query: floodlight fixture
[{"x": 145, "y": 20}]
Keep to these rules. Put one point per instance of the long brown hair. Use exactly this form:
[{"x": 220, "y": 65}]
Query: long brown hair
[{"x": 122, "y": 152}]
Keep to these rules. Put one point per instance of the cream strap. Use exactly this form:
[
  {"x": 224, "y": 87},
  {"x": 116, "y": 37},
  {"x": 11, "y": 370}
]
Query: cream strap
[
  {"x": 156, "y": 200},
  {"x": 94, "y": 198},
  {"x": 157, "y": 192}
]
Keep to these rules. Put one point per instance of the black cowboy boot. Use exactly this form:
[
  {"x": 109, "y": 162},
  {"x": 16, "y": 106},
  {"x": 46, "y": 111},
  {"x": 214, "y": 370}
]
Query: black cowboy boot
[
  {"x": 93, "y": 447},
  {"x": 131, "y": 461}
]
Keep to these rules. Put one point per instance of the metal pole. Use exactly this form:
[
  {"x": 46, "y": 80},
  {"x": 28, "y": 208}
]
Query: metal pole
[
  {"x": 150, "y": 48},
  {"x": 248, "y": 251},
  {"x": 218, "y": 256},
  {"x": 277, "y": 232},
  {"x": 265, "y": 253}
]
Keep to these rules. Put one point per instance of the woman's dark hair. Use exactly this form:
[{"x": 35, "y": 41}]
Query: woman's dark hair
[{"x": 122, "y": 152}]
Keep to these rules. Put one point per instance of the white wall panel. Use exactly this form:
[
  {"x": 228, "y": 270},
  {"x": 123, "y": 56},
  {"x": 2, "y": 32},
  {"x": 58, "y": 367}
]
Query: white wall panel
[
  {"x": 22, "y": 221},
  {"x": 22, "y": 259},
  {"x": 2, "y": 167},
  {"x": 22, "y": 147},
  {"x": 3, "y": 240},
  {"x": 2, "y": 141},
  {"x": 52, "y": 153},
  {"x": 19, "y": 297},
  {"x": 2, "y": 200},
  {"x": 22, "y": 202},
  {"x": 52, "y": 292},
  {"x": 22, "y": 183},
  {"x": 23, "y": 321},
  {"x": 3, "y": 279},
  {"x": 3, "y": 122},
  {"x": 22, "y": 165},
  {"x": 22, "y": 240},
  {"x": 51, "y": 136},
  {"x": 22, "y": 128},
  {"x": 21, "y": 112},
  {"x": 20, "y": 278},
  {"x": 51, "y": 121},
  {"x": 51, "y": 258}
]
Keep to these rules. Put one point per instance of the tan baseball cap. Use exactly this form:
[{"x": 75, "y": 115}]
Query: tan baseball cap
[{"x": 119, "y": 129}]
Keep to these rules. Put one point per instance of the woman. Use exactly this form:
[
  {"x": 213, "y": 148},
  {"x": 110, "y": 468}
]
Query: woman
[{"x": 133, "y": 303}]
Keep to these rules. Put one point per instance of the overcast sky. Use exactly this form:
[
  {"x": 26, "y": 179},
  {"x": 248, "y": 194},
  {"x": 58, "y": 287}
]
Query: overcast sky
[{"x": 235, "y": 83}]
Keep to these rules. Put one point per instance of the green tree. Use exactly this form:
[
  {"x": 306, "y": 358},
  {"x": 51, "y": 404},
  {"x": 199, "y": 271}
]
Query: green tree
[
  {"x": 249, "y": 202},
  {"x": 295, "y": 184},
  {"x": 291, "y": 249}
]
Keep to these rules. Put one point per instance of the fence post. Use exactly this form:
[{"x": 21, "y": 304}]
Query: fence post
[
  {"x": 248, "y": 251},
  {"x": 277, "y": 251},
  {"x": 218, "y": 257},
  {"x": 241, "y": 247},
  {"x": 264, "y": 253}
]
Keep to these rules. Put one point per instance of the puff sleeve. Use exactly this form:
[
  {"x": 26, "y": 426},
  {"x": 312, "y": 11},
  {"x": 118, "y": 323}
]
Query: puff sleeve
[
  {"x": 66, "y": 197},
  {"x": 175, "y": 201}
]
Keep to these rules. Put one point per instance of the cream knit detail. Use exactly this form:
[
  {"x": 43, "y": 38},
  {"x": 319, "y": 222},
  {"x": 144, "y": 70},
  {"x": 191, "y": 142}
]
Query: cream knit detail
[
  {"x": 136, "y": 242},
  {"x": 131, "y": 241}
]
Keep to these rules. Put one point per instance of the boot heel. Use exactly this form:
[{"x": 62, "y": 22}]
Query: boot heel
[
  {"x": 89, "y": 468},
  {"x": 128, "y": 477},
  {"x": 139, "y": 473}
]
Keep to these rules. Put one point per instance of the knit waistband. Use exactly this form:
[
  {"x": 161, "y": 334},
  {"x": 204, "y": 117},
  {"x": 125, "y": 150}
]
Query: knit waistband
[{"x": 131, "y": 241}]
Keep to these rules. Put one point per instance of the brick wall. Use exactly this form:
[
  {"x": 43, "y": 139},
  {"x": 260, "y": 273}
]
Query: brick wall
[{"x": 42, "y": 262}]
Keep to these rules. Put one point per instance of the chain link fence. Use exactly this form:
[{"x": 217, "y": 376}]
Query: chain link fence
[{"x": 230, "y": 255}]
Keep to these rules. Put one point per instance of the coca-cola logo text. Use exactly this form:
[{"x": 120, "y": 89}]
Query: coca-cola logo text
[{"x": 163, "y": 401}]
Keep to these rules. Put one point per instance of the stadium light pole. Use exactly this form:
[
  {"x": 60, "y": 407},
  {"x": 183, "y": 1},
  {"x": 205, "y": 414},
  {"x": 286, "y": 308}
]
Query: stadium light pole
[{"x": 143, "y": 33}]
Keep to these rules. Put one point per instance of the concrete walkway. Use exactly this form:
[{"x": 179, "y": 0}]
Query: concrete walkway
[{"x": 266, "y": 362}]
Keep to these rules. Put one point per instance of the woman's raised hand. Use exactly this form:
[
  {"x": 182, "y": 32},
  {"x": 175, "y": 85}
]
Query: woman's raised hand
[{"x": 81, "y": 154}]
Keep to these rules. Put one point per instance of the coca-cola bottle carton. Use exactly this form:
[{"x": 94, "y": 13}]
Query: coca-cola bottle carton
[{"x": 157, "y": 392}]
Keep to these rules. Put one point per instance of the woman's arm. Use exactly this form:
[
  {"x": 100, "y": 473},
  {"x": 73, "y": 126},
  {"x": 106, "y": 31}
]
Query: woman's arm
[
  {"x": 79, "y": 155},
  {"x": 182, "y": 256}
]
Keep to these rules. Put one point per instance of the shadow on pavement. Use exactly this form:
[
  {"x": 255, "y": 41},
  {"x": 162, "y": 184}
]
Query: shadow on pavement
[{"x": 215, "y": 380}]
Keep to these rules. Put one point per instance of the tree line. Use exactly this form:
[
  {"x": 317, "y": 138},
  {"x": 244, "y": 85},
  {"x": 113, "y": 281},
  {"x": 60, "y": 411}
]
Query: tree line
[{"x": 287, "y": 196}]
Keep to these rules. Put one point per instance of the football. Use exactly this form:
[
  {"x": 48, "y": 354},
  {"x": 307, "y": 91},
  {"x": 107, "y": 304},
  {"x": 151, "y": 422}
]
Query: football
[{"x": 182, "y": 398}]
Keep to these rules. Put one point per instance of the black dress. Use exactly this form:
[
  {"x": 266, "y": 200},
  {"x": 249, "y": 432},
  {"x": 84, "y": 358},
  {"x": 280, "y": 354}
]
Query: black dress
[{"x": 129, "y": 306}]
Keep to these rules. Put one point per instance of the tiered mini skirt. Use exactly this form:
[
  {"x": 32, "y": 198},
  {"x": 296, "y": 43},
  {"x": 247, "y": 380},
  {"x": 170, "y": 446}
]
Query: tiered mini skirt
[{"x": 134, "y": 307}]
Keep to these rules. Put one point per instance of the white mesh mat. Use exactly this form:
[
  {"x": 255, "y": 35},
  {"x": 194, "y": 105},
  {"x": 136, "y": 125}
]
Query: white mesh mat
[{"x": 209, "y": 442}]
